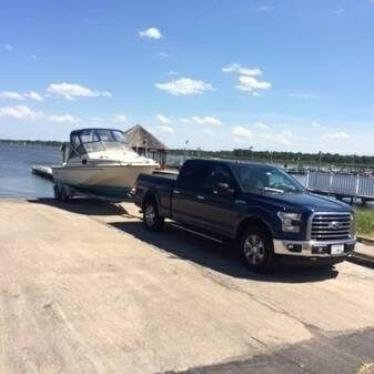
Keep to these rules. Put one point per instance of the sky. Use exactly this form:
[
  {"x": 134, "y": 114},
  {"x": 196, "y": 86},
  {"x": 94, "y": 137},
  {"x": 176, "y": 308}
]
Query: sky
[{"x": 290, "y": 75}]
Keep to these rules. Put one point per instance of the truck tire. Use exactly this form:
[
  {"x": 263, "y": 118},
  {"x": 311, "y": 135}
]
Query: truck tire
[
  {"x": 151, "y": 218},
  {"x": 256, "y": 247}
]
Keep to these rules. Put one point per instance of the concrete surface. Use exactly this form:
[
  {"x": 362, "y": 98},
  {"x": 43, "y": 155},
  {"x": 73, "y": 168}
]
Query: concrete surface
[
  {"x": 85, "y": 289},
  {"x": 363, "y": 254}
]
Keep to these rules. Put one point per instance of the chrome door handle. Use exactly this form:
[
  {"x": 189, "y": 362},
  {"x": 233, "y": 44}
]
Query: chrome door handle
[
  {"x": 177, "y": 192},
  {"x": 200, "y": 197}
]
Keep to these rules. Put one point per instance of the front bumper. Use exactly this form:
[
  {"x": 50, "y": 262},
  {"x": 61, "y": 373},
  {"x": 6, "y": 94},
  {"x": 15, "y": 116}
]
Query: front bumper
[{"x": 311, "y": 248}]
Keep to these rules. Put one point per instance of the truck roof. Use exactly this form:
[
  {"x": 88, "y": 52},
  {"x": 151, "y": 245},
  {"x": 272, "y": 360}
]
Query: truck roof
[{"x": 230, "y": 162}]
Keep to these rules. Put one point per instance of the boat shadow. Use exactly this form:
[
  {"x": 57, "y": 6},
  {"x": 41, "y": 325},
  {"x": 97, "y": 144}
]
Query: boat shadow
[
  {"x": 88, "y": 206},
  {"x": 222, "y": 258}
]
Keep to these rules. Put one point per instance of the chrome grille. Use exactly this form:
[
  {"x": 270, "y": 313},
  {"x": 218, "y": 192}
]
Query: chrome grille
[{"x": 331, "y": 226}]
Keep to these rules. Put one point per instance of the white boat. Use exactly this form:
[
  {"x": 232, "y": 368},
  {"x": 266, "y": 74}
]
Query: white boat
[{"x": 100, "y": 161}]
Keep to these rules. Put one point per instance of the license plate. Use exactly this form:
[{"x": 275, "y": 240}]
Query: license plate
[{"x": 337, "y": 249}]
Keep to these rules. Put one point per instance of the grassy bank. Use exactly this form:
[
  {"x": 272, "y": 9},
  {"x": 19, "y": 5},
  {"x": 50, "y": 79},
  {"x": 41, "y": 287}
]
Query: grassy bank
[{"x": 365, "y": 221}]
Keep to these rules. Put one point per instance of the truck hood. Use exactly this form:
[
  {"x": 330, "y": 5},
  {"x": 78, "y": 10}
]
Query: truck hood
[{"x": 309, "y": 201}]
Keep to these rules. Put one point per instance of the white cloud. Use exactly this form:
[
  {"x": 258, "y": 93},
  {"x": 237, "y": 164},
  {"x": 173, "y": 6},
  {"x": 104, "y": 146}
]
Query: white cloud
[
  {"x": 262, "y": 126},
  {"x": 165, "y": 129},
  {"x": 23, "y": 112},
  {"x": 163, "y": 54},
  {"x": 172, "y": 72},
  {"x": 284, "y": 137},
  {"x": 11, "y": 95},
  {"x": 163, "y": 119},
  {"x": 64, "y": 118},
  {"x": 208, "y": 131},
  {"x": 236, "y": 68},
  {"x": 207, "y": 120},
  {"x": 33, "y": 95},
  {"x": 72, "y": 90},
  {"x": 119, "y": 118},
  {"x": 241, "y": 133},
  {"x": 248, "y": 78},
  {"x": 184, "y": 86},
  {"x": 151, "y": 33},
  {"x": 19, "y": 112},
  {"x": 185, "y": 120},
  {"x": 248, "y": 83},
  {"x": 8, "y": 47},
  {"x": 336, "y": 136}
]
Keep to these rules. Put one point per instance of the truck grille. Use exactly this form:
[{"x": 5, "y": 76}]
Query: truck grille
[{"x": 331, "y": 226}]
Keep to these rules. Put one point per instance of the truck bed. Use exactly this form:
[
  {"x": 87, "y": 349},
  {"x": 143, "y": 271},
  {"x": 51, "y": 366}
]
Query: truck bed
[{"x": 161, "y": 184}]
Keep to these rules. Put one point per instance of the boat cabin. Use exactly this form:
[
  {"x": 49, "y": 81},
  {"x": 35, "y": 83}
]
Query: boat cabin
[{"x": 93, "y": 140}]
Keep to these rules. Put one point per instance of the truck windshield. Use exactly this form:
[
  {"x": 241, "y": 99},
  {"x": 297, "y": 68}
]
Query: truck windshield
[{"x": 263, "y": 178}]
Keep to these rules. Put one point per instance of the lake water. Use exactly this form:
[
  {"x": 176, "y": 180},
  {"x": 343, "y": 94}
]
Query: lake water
[{"x": 16, "y": 179}]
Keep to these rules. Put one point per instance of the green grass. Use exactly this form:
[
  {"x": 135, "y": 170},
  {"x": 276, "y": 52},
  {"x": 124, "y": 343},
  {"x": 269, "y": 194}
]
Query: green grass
[{"x": 365, "y": 221}]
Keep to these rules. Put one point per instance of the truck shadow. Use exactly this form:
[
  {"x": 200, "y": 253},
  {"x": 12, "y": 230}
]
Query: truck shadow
[
  {"x": 222, "y": 258},
  {"x": 90, "y": 207}
]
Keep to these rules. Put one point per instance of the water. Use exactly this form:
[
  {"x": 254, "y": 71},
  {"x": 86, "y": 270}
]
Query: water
[{"x": 16, "y": 179}]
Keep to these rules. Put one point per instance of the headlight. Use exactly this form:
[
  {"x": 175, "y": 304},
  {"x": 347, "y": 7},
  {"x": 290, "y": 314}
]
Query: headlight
[{"x": 290, "y": 221}]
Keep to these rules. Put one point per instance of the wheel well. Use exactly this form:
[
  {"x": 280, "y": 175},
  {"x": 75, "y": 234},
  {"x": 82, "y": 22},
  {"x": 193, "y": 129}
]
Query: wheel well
[
  {"x": 252, "y": 221},
  {"x": 148, "y": 197}
]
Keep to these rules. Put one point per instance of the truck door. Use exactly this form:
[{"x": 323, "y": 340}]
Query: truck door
[
  {"x": 218, "y": 209},
  {"x": 187, "y": 194}
]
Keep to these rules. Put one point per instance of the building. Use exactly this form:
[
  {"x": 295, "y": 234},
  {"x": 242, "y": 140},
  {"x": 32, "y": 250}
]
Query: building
[{"x": 144, "y": 143}]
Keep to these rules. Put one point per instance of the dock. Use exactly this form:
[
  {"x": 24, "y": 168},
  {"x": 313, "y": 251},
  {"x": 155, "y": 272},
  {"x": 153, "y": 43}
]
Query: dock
[
  {"x": 341, "y": 185},
  {"x": 44, "y": 171}
]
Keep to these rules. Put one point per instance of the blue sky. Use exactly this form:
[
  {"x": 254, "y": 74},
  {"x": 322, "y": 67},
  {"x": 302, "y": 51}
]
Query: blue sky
[{"x": 281, "y": 75}]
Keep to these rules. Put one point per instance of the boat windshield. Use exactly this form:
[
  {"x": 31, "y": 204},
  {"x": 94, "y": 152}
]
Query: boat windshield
[
  {"x": 267, "y": 179},
  {"x": 94, "y": 140}
]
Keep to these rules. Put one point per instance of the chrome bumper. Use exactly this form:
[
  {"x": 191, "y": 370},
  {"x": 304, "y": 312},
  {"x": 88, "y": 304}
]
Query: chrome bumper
[{"x": 310, "y": 248}]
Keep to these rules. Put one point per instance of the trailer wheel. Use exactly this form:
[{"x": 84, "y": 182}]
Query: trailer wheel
[
  {"x": 151, "y": 217},
  {"x": 56, "y": 192},
  {"x": 65, "y": 197},
  {"x": 257, "y": 250}
]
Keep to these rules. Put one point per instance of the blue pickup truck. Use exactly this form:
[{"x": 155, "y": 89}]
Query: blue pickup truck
[{"x": 265, "y": 211}]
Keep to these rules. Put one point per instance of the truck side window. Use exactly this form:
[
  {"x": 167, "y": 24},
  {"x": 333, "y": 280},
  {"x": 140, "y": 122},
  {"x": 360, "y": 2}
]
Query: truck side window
[
  {"x": 218, "y": 174},
  {"x": 193, "y": 176}
]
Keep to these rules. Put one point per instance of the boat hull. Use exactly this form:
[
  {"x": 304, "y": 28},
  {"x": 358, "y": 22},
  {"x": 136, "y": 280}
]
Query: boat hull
[{"x": 110, "y": 180}]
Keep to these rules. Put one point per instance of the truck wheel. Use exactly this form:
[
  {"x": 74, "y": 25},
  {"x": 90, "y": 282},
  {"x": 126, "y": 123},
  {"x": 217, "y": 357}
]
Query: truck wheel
[
  {"x": 151, "y": 218},
  {"x": 257, "y": 249}
]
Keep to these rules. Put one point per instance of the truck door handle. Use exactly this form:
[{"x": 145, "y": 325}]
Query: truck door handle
[
  {"x": 200, "y": 197},
  {"x": 177, "y": 192}
]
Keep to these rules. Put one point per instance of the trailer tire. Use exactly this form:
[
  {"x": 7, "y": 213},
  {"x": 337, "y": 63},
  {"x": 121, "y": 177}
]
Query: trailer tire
[
  {"x": 57, "y": 192},
  {"x": 64, "y": 194},
  {"x": 151, "y": 217}
]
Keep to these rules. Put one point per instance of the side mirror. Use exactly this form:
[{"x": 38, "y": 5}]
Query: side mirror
[{"x": 224, "y": 189}]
